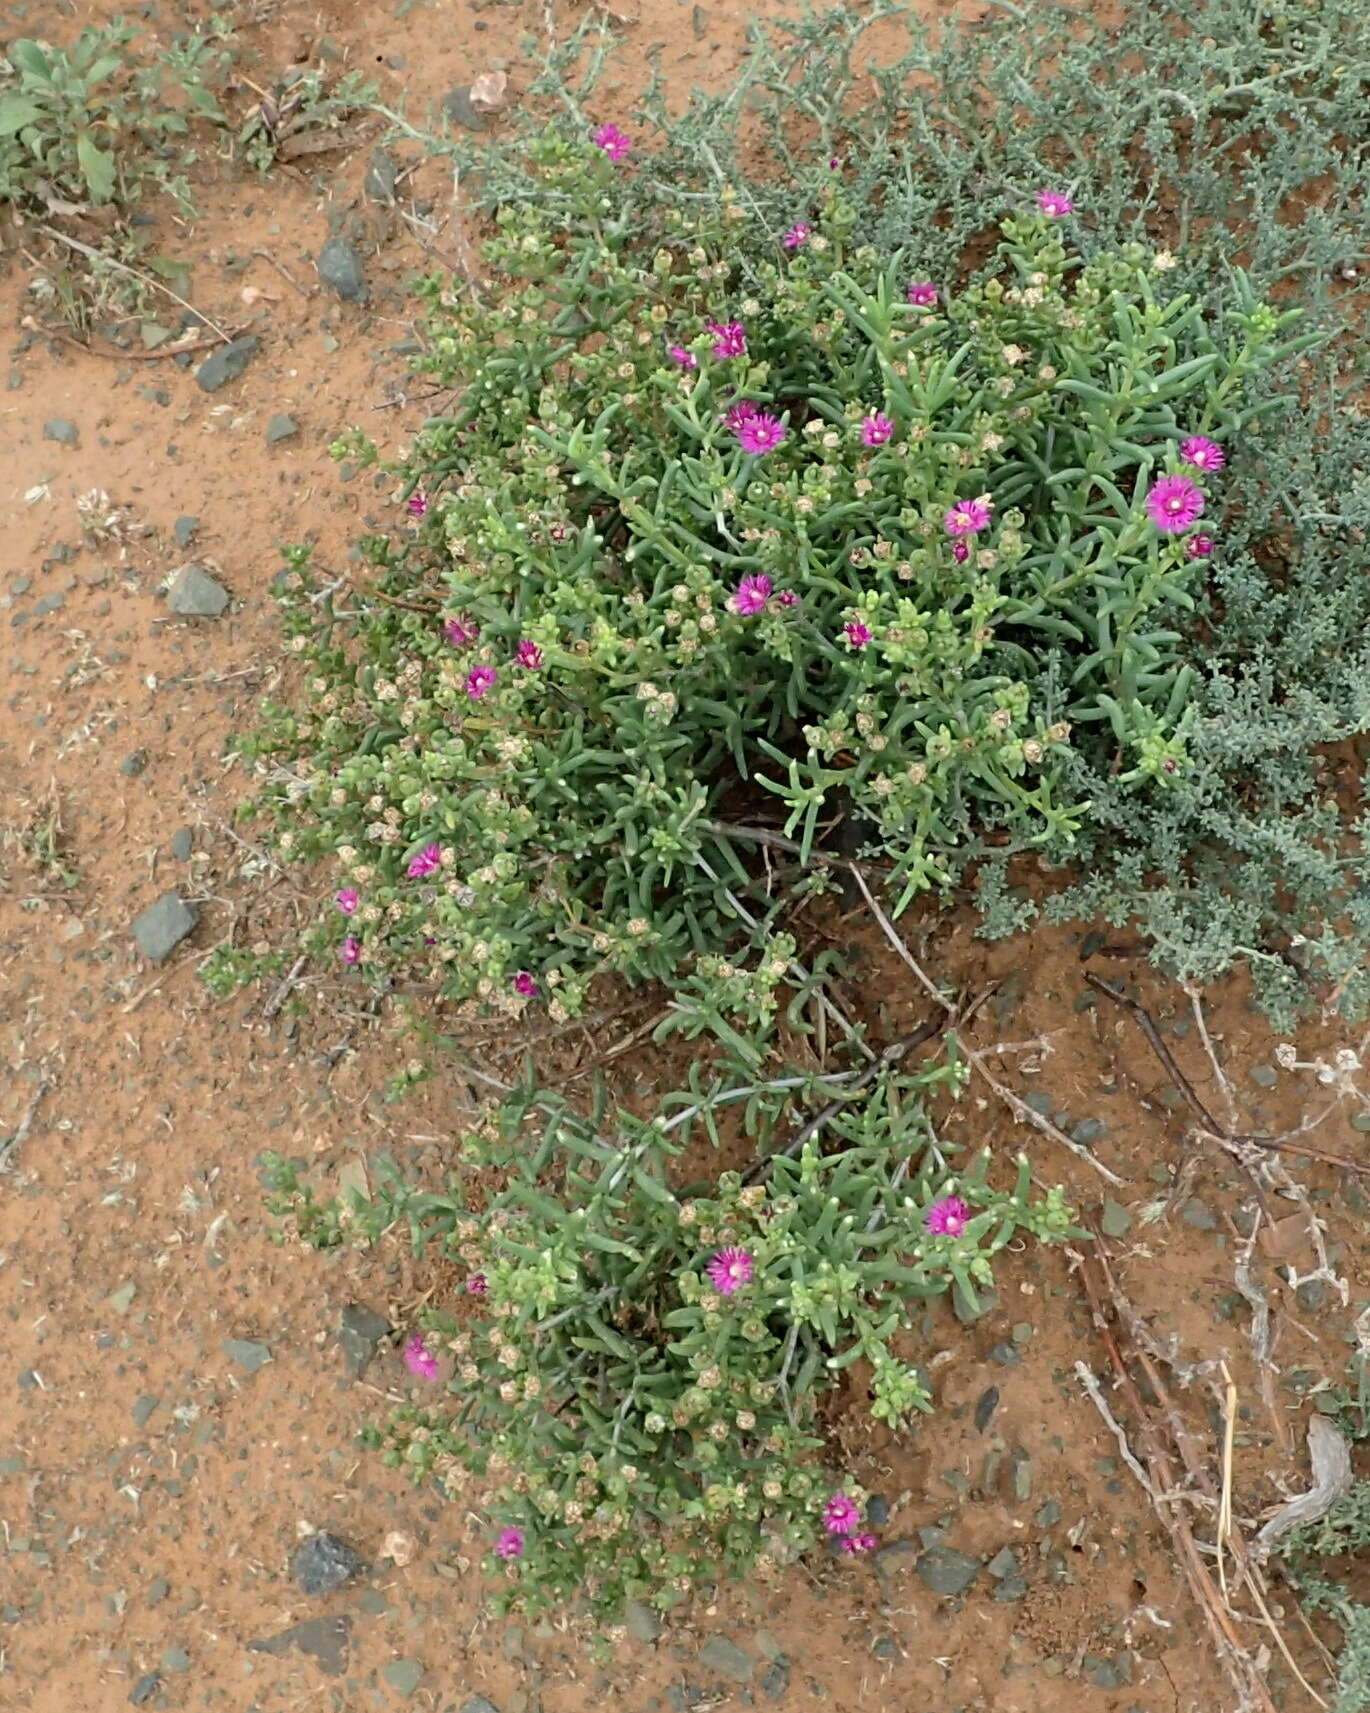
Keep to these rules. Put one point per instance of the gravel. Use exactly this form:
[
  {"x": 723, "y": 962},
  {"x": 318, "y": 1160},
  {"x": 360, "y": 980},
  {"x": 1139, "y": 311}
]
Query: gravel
[
  {"x": 184, "y": 530},
  {"x": 145, "y": 1688},
  {"x": 63, "y": 432},
  {"x": 322, "y": 1564},
  {"x": 403, "y": 1676},
  {"x": 946, "y": 1571},
  {"x": 382, "y": 174},
  {"x": 194, "y": 594},
  {"x": 226, "y": 363},
  {"x": 162, "y": 927},
  {"x": 281, "y": 427},
  {"x": 360, "y": 1331},
  {"x": 456, "y": 104},
  {"x": 727, "y": 1659},
  {"x": 641, "y": 1622},
  {"x": 340, "y": 269},
  {"x": 249, "y": 1353}
]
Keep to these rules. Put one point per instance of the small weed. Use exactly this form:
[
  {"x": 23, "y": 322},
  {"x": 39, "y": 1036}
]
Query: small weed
[
  {"x": 298, "y": 115},
  {"x": 39, "y": 840}
]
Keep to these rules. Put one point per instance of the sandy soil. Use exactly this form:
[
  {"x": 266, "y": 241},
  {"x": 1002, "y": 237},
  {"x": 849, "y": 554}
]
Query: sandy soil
[{"x": 151, "y": 1489}]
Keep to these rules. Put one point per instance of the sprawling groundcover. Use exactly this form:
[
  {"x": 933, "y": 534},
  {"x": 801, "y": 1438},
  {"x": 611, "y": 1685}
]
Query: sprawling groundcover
[{"x": 977, "y": 490}]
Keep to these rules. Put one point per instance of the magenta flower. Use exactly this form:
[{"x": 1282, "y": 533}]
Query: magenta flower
[
  {"x": 347, "y": 900},
  {"x": 528, "y": 655},
  {"x": 739, "y": 415},
  {"x": 417, "y": 503},
  {"x": 960, "y": 552},
  {"x": 967, "y": 517},
  {"x": 730, "y": 338},
  {"x": 509, "y": 1544},
  {"x": 461, "y": 632},
  {"x": 1173, "y": 503},
  {"x": 1199, "y": 546},
  {"x": 859, "y": 1543},
  {"x": 1054, "y": 203},
  {"x": 760, "y": 433},
  {"x": 477, "y": 1285},
  {"x": 947, "y": 1217},
  {"x": 841, "y": 1515},
  {"x": 922, "y": 294},
  {"x": 798, "y": 234},
  {"x": 351, "y": 950},
  {"x": 752, "y": 594},
  {"x": 1202, "y": 453},
  {"x": 730, "y": 1270},
  {"x": 478, "y": 681},
  {"x": 419, "y": 1359},
  {"x": 614, "y": 142},
  {"x": 683, "y": 355},
  {"x": 526, "y": 984},
  {"x": 876, "y": 429},
  {"x": 787, "y": 598},
  {"x": 856, "y": 633},
  {"x": 427, "y": 862}
]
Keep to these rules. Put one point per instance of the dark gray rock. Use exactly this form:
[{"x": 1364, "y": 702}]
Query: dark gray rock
[
  {"x": 325, "y": 1640},
  {"x": 49, "y": 604},
  {"x": 250, "y": 1354},
  {"x": 641, "y": 1622},
  {"x": 456, "y": 104},
  {"x": 1088, "y": 1131},
  {"x": 946, "y": 1571},
  {"x": 145, "y": 1688},
  {"x": 157, "y": 1590},
  {"x": 986, "y": 1405},
  {"x": 340, "y": 269},
  {"x": 1005, "y": 1355},
  {"x": 162, "y": 926},
  {"x": 727, "y": 1659},
  {"x": 1002, "y": 1564},
  {"x": 1200, "y": 1217},
  {"x": 133, "y": 765},
  {"x": 281, "y": 427},
  {"x": 185, "y": 529},
  {"x": 360, "y": 1331},
  {"x": 776, "y": 1680},
  {"x": 194, "y": 594},
  {"x": 1009, "y": 1590},
  {"x": 226, "y": 363},
  {"x": 322, "y": 1564},
  {"x": 63, "y": 432},
  {"x": 1116, "y": 1219},
  {"x": 877, "y": 1510},
  {"x": 142, "y": 1410},
  {"x": 182, "y": 844},
  {"x": 381, "y": 177},
  {"x": 403, "y": 1676}
]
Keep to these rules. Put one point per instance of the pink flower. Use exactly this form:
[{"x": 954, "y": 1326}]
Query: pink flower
[
  {"x": 730, "y": 1270},
  {"x": 509, "y": 1544},
  {"x": 841, "y": 1515},
  {"x": 526, "y": 984},
  {"x": 1054, "y": 203},
  {"x": 1199, "y": 546},
  {"x": 528, "y": 655},
  {"x": 1202, "y": 453},
  {"x": 347, "y": 900},
  {"x": 1173, "y": 503},
  {"x": 614, "y": 142},
  {"x": 947, "y": 1217},
  {"x": 478, "y": 681},
  {"x": 351, "y": 950},
  {"x": 967, "y": 517},
  {"x": 876, "y": 429},
  {"x": 922, "y": 294},
  {"x": 417, "y": 503},
  {"x": 419, "y": 1359},
  {"x": 730, "y": 338},
  {"x": 787, "y": 598},
  {"x": 760, "y": 433},
  {"x": 856, "y": 633},
  {"x": 683, "y": 355},
  {"x": 752, "y": 594},
  {"x": 477, "y": 1285},
  {"x": 461, "y": 632},
  {"x": 960, "y": 552},
  {"x": 798, "y": 234},
  {"x": 739, "y": 415},
  {"x": 427, "y": 862},
  {"x": 859, "y": 1543}
]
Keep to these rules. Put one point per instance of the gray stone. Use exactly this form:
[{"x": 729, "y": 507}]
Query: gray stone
[
  {"x": 1264, "y": 1076},
  {"x": 194, "y": 594},
  {"x": 966, "y": 1311},
  {"x": 250, "y": 1354},
  {"x": 877, "y": 1510},
  {"x": 986, "y": 1405},
  {"x": 322, "y": 1564},
  {"x": 641, "y": 1622},
  {"x": 403, "y": 1675},
  {"x": 133, "y": 765},
  {"x": 176, "y": 1659},
  {"x": 1010, "y": 1589},
  {"x": 49, "y": 604},
  {"x": 227, "y": 363},
  {"x": 162, "y": 926},
  {"x": 946, "y": 1571},
  {"x": 63, "y": 432},
  {"x": 1361, "y": 1122},
  {"x": 1200, "y": 1217},
  {"x": 325, "y": 1640},
  {"x": 381, "y": 177},
  {"x": 142, "y": 1410},
  {"x": 185, "y": 529},
  {"x": 360, "y": 1331},
  {"x": 340, "y": 269},
  {"x": 182, "y": 844},
  {"x": 1116, "y": 1219},
  {"x": 12, "y": 1466},
  {"x": 1002, "y": 1564},
  {"x": 157, "y": 1591},
  {"x": 478, "y": 1704},
  {"x": 727, "y": 1659},
  {"x": 1005, "y": 1355},
  {"x": 281, "y": 427},
  {"x": 1088, "y": 1131},
  {"x": 145, "y": 1688},
  {"x": 1049, "y": 1515},
  {"x": 776, "y": 1680},
  {"x": 456, "y": 104}
]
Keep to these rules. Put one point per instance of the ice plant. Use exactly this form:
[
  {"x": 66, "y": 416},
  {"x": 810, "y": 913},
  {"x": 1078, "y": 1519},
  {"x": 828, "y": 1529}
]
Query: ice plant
[
  {"x": 859, "y": 1543},
  {"x": 760, "y": 433},
  {"x": 876, "y": 429},
  {"x": 1173, "y": 503},
  {"x": 960, "y": 552},
  {"x": 509, "y": 1544},
  {"x": 683, "y": 355},
  {"x": 1054, "y": 203},
  {"x": 739, "y": 414},
  {"x": 1202, "y": 453},
  {"x": 856, "y": 633},
  {"x": 751, "y": 595},
  {"x": 428, "y": 861},
  {"x": 347, "y": 900},
  {"x": 730, "y": 1270},
  {"x": 922, "y": 294},
  {"x": 461, "y": 632},
  {"x": 477, "y": 1285},
  {"x": 614, "y": 142},
  {"x": 967, "y": 517},
  {"x": 787, "y": 598},
  {"x": 417, "y": 504},
  {"x": 841, "y": 1514},
  {"x": 478, "y": 681},
  {"x": 419, "y": 1359},
  {"x": 730, "y": 338},
  {"x": 351, "y": 950},
  {"x": 526, "y": 984},
  {"x": 1199, "y": 546},
  {"x": 528, "y": 655},
  {"x": 798, "y": 234},
  {"x": 947, "y": 1217}
]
